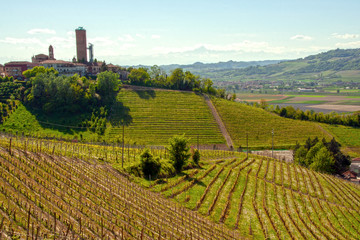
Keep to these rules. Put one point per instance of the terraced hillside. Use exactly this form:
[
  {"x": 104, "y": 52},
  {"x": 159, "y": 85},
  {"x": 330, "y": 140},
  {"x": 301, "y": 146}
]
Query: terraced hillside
[
  {"x": 158, "y": 115},
  {"x": 265, "y": 198},
  {"x": 241, "y": 119},
  {"x": 45, "y": 196}
]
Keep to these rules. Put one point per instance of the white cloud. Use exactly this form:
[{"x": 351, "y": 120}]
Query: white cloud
[
  {"x": 126, "y": 38},
  {"x": 345, "y": 36},
  {"x": 154, "y": 36},
  {"x": 101, "y": 41},
  {"x": 301, "y": 37},
  {"x": 140, "y": 35},
  {"x": 10, "y": 40},
  {"x": 41, "y": 31},
  {"x": 355, "y": 44}
]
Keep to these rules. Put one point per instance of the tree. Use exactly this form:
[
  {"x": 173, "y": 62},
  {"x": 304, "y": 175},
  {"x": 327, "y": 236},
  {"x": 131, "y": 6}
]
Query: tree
[
  {"x": 176, "y": 79},
  {"x": 323, "y": 161},
  {"x": 139, "y": 76},
  {"x": 107, "y": 85},
  {"x": 150, "y": 166},
  {"x": 103, "y": 67},
  {"x": 179, "y": 152},
  {"x": 196, "y": 156},
  {"x": 263, "y": 103}
]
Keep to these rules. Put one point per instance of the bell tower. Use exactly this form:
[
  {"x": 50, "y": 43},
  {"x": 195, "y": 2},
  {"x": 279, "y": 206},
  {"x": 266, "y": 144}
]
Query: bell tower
[{"x": 51, "y": 53}]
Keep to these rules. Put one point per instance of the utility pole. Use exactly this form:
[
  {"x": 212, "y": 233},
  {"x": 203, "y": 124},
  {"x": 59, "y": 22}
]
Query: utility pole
[
  {"x": 123, "y": 145},
  {"x": 247, "y": 145},
  {"x": 272, "y": 152}
]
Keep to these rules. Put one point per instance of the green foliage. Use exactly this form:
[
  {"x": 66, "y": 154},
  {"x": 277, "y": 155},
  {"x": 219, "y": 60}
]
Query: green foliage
[
  {"x": 323, "y": 161},
  {"x": 179, "y": 152},
  {"x": 196, "y": 156},
  {"x": 107, "y": 85},
  {"x": 150, "y": 166},
  {"x": 322, "y": 156},
  {"x": 139, "y": 77},
  {"x": 61, "y": 94},
  {"x": 352, "y": 120},
  {"x": 31, "y": 73}
]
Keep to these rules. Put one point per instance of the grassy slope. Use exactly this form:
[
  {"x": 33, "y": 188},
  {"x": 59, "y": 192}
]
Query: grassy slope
[
  {"x": 349, "y": 137},
  {"x": 158, "y": 115},
  {"x": 241, "y": 119},
  {"x": 24, "y": 121}
]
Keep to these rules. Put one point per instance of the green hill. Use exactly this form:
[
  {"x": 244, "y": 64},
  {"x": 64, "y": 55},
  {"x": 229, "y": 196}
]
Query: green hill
[
  {"x": 334, "y": 65},
  {"x": 241, "y": 119},
  {"x": 158, "y": 115},
  {"x": 55, "y": 189}
]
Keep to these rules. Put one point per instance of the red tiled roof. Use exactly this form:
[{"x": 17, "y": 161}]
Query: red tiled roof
[
  {"x": 356, "y": 159},
  {"x": 350, "y": 174},
  {"x": 55, "y": 61}
]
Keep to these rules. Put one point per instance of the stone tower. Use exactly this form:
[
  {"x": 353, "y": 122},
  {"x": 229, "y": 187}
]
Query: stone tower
[
  {"x": 51, "y": 53},
  {"x": 81, "y": 50}
]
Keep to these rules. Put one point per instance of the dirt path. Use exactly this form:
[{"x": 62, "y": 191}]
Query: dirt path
[{"x": 220, "y": 123}]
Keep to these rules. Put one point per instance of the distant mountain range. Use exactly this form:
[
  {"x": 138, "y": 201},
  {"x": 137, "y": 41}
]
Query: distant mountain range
[{"x": 333, "y": 65}]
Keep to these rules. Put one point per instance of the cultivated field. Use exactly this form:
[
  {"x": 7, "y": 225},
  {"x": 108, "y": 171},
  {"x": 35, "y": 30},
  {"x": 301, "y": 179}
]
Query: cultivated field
[
  {"x": 241, "y": 119},
  {"x": 158, "y": 115},
  {"x": 262, "y": 197},
  {"x": 53, "y": 196}
]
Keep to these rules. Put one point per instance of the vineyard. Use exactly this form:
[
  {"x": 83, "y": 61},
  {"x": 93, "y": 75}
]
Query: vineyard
[
  {"x": 54, "y": 196},
  {"x": 265, "y": 198},
  {"x": 241, "y": 120},
  {"x": 65, "y": 190},
  {"x": 159, "y": 115}
]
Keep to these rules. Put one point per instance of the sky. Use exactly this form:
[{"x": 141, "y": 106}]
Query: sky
[{"x": 179, "y": 32}]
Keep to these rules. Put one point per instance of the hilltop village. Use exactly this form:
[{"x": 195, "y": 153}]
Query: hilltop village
[{"x": 81, "y": 64}]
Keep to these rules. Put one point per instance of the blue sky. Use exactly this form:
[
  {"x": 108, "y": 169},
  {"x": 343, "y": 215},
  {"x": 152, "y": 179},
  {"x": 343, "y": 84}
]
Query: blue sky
[{"x": 165, "y": 32}]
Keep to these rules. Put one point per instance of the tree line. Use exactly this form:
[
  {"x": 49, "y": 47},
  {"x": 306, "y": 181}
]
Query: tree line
[
  {"x": 352, "y": 119},
  {"x": 177, "y": 80}
]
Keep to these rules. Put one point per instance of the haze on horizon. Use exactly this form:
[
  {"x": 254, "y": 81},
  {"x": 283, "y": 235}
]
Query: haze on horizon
[{"x": 183, "y": 32}]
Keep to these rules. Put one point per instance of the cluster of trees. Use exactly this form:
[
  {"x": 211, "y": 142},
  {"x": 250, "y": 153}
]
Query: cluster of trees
[
  {"x": 322, "y": 156},
  {"x": 177, "y": 80},
  {"x": 6, "y": 108},
  {"x": 352, "y": 120},
  {"x": 152, "y": 167},
  {"x": 68, "y": 94}
]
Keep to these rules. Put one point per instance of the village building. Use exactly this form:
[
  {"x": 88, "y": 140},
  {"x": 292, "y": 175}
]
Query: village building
[
  {"x": 15, "y": 69},
  {"x": 65, "y": 68}
]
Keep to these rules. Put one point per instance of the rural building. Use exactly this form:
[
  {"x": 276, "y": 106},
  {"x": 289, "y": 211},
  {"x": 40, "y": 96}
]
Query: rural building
[
  {"x": 15, "y": 69},
  {"x": 65, "y": 68},
  {"x": 349, "y": 175},
  {"x": 2, "y": 74}
]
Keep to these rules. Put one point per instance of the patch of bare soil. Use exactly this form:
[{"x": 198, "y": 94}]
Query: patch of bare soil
[{"x": 345, "y": 108}]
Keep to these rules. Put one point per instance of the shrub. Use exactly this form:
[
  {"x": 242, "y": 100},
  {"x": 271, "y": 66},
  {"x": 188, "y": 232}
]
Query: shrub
[
  {"x": 179, "y": 152},
  {"x": 196, "y": 156},
  {"x": 150, "y": 166}
]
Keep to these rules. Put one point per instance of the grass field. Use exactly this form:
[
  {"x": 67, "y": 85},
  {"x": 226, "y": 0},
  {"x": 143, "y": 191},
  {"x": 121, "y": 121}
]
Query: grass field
[
  {"x": 347, "y": 136},
  {"x": 241, "y": 119},
  {"x": 27, "y": 122},
  {"x": 158, "y": 115}
]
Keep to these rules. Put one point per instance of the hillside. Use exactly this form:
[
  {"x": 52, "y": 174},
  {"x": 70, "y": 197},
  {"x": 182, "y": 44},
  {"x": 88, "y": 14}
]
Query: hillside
[
  {"x": 71, "y": 190},
  {"x": 334, "y": 65},
  {"x": 157, "y": 115},
  {"x": 263, "y": 197},
  {"x": 45, "y": 196},
  {"x": 241, "y": 119}
]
